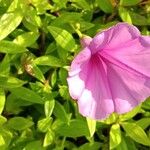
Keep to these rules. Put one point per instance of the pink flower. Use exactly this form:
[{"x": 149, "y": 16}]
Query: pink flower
[{"x": 112, "y": 72}]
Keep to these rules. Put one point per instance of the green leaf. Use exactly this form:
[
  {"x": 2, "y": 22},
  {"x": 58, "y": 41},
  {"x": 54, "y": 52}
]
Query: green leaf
[
  {"x": 5, "y": 66},
  {"x": 126, "y": 144},
  {"x": 105, "y": 5},
  {"x": 10, "y": 82},
  {"x": 76, "y": 128},
  {"x": 19, "y": 123},
  {"x": 125, "y": 15},
  {"x": 60, "y": 112},
  {"x": 7, "y": 136},
  {"x": 91, "y": 125},
  {"x": 82, "y": 4},
  {"x": 2, "y": 120},
  {"x": 2, "y": 100},
  {"x": 44, "y": 124},
  {"x": 115, "y": 136},
  {"x": 63, "y": 38},
  {"x": 26, "y": 39},
  {"x": 49, "y": 107},
  {"x": 48, "y": 61},
  {"x": 34, "y": 145},
  {"x": 138, "y": 19},
  {"x": 48, "y": 139},
  {"x": 89, "y": 146},
  {"x": 27, "y": 94},
  {"x": 129, "y": 2},
  {"x": 9, "y": 22},
  {"x": 10, "y": 47},
  {"x": 36, "y": 72},
  {"x": 136, "y": 133},
  {"x": 143, "y": 123},
  {"x": 130, "y": 114},
  {"x": 2, "y": 141}
]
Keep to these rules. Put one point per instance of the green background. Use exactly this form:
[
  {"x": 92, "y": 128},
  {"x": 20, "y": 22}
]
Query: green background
[{"x": 38, "y": 41}]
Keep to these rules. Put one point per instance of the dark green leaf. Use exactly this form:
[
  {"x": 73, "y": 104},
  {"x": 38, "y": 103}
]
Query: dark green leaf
[{"x": 19, "y": 123}]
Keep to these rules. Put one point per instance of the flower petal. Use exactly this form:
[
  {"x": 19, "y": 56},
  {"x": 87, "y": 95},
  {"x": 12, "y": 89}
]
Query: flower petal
[
  {"x": 135, "y": 55},
  {"x": 127, "y": 89},
  {"x": 79, "y": 65},
  {"x": 95, "y": 101},
  {"x": 114, "y": 37},
  {"x": 79, "y": 61}
]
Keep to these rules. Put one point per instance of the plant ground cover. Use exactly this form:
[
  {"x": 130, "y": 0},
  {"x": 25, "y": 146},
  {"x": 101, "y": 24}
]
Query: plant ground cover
[{"x": 38, "y": 41}]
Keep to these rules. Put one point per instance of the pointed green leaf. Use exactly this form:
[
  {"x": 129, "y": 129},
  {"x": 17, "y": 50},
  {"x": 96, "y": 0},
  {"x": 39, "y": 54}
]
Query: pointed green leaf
[
  {"x": 115, "y": 136},
  {"x": 130, "y": 114},
  {"x": 76, "y": 128},
  {"x": 49, "y": 107},
  {"x": 26, "y": 39},
  {"x": 2, "y": 100},
  {"x": 10, "y": 47},
  {"x": 105, "y": 5},
  {"x": 9, "y": 22},
  {"x": 10, "y": 82},
  {"x": 27, "y": 94},
  {"x": 91, "y": 125},
  {"x": 48, "y": 139},
  {"x": 136, "y": 133},
  {"x": 125, "y": 15},
  {"x": 63, "y": 38},
  {"x": 19, "y": 123},
  {"x": 48, "y": 60}
]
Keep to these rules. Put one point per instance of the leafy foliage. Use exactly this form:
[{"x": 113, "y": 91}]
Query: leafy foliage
[{"x": 38, "y": 40}]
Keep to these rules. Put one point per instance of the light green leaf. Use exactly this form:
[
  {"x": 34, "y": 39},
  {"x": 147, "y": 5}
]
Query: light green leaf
[
  {"x": 9, "y": 22},
  {"x": 48, "y": 60},
  {"x": 63, "y": 38},
  {"x": 2, "y": 120},
  {"x": 2, "y": 141},
  {"x": 125, "y": 15},
  {"x": 2, "y": 100},
  {"x": 10, "y": 47},
  {"x": 91, "y": 125},
  {"x": 143, "y": 123},
  {"x": 26, "y": 39},
  {"x": 5, "y": 66},
  {"x": 130, "y": 114},
  {"x": 136, "y": 133},
  {"x": 27, "y": 94},
  {"x": 37, "y": 73},
  {"x": 10, "y": 82},
  {"x": 49, "y": 107},
  {"x": 19, "y": 123},
  {"x": 44, "y": 124},
  {"x": 115, "y": 136},
  {"x": 48, "y": 139}
]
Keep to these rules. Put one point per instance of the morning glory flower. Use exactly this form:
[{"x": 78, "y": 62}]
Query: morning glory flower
[{"x": 112, "y": 72}]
